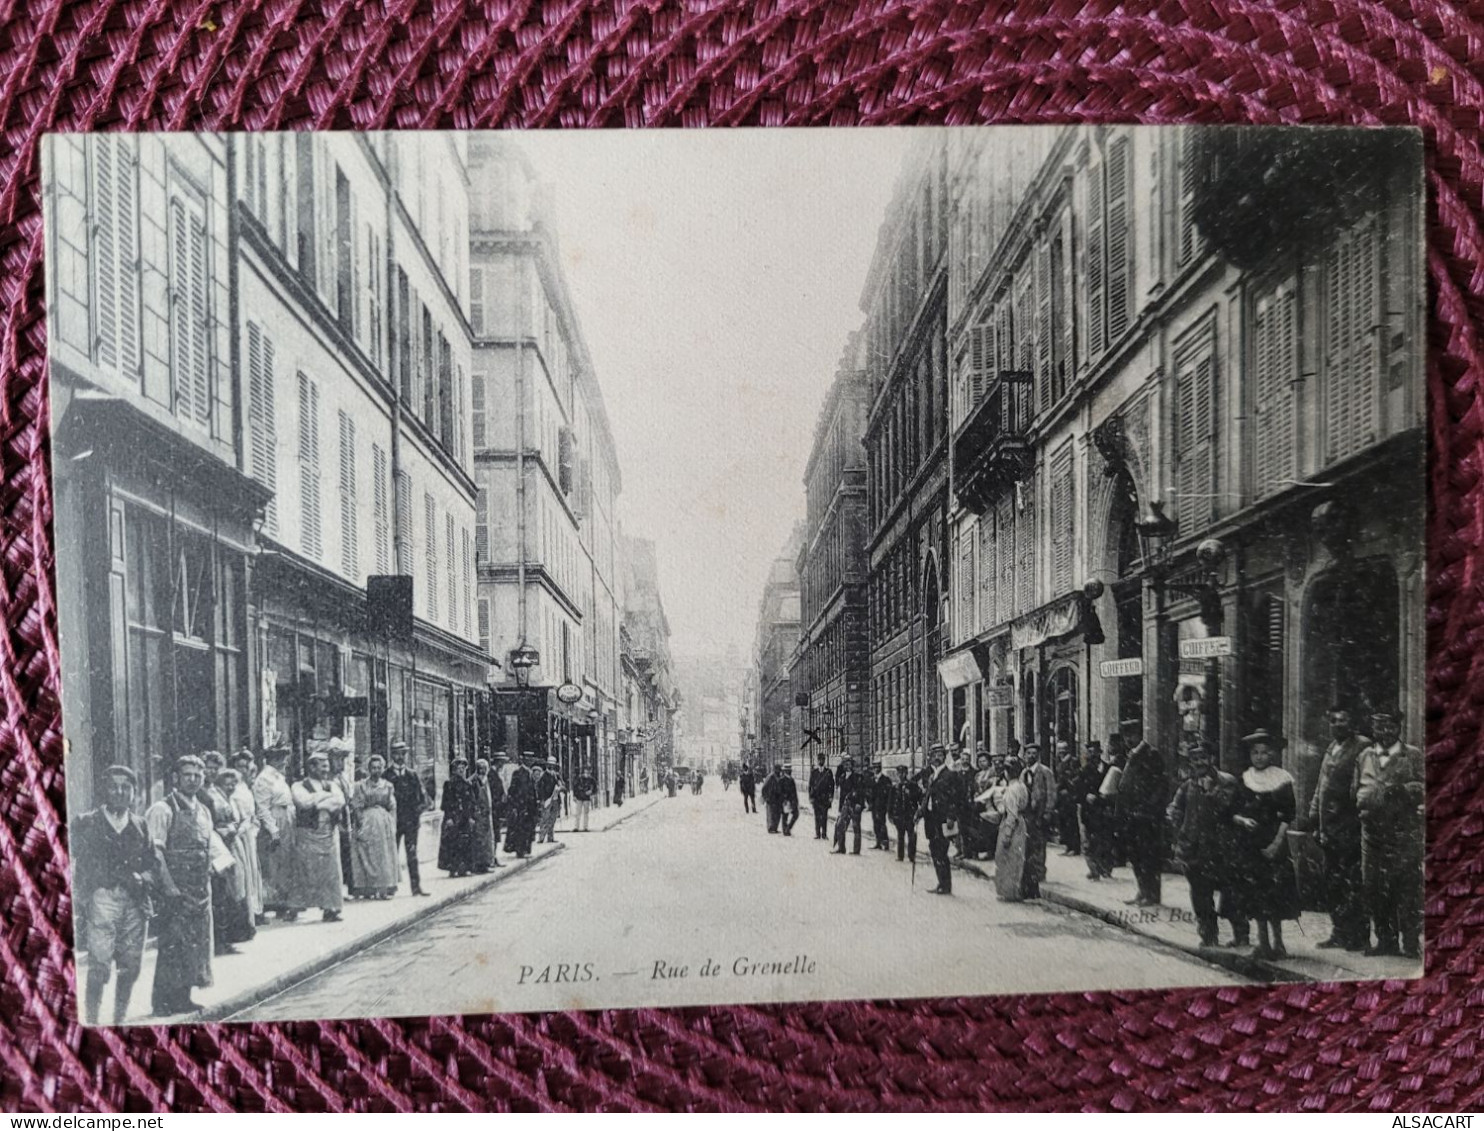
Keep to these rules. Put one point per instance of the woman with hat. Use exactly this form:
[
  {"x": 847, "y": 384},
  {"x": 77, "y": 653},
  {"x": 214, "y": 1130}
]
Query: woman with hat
[
  {"x": 455, "y": 846},
  {"x": 1264, "y": 811}
]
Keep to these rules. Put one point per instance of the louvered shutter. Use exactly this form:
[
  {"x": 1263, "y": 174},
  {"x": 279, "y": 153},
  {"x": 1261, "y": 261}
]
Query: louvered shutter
[
  {"x": 1097, "y": 339},
  {"x": 476, "y": 301},
  {"x": 349, "y": 541},
  {"x": 1005, "y": 538},
  {"x": 1026, "y": 541},
  {"x": 262, "y": 437},
  {"x": 484, "y": 625},
  {"x": 181, "y": 339},
  {"x": 981, "y": 363},
  {"x": 453, "y": 571},
  {"x": 127, "y": 229},
  {"x": 380, "y": 505},
  {"x": 309, "y": 486},
  {"x": 1195, "y": 407},
  {"x": 476, "y": 390},
  {"x": 988, "y": 569},
  {"x": 1120, "y": 266},
  {"x": 1189, "y": 237},
  {"x": 1353, "y": 363},
  {"x": 1066, "y": 364},
  {"x": 467, "y": 574},
  {"x": 1061, "y": 521},
  {"x": 481, "y": 525},
  {"x": 200, "y": 325},
  {"x": 105, "y": 259},
  {"x": 964, "y": 620},
  {"x": 1276, "y": 362},
  {"x": 430, "y": 552},
  {"x": 405, "y": 554},
  {"x": 1043, "y": 325}
]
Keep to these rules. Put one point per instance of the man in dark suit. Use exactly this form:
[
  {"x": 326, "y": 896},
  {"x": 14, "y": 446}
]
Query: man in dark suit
[
  {"x": 881, "y": 787},
  {"x": 747, "y": 783},
  {"x": 773, "y": 797},
  {"x": 821, "y": 794},
  {"x": 852, "y": 788},
  {"x": 412, "y": 800},
  {"x": 906, "y": 798},
  {"x": 521, "y": 808},
  {"x": 788, "y": 798},
  {"x": 1335, "y": 823},
  {"x": 942, "y": 797},
  {"x": 1389, "y": 796}
]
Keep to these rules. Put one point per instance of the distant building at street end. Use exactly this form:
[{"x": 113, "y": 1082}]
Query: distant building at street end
[{"x": 779, "y": 718}]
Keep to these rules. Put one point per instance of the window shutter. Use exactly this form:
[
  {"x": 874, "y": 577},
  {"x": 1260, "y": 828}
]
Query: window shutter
[
  {"x": 1097, "y": 339},
  {"x": 1005, "y": 543},
  {"x": 981, "y": 363},
  {"x": 106, "y": 268},
  {"x": 1120, "y": 268},
  {"x": 262, "y": 436},
  {"x": 460, "y": 427},
  {"x": 381, "y": 517},
  {"x": 181, "y": 339},
  {"x": 965, "y": 588},
  {"x": 1189, "y": 238},
  {"x": 430, "y": 551},
  {"x": 349, "y": 557},
  {"x": 476, "y": 301},
  {"x": 484, "y": 625},
  {"x": 1353, "y": 363},
  {"x": 988, "y": 570},
  {"x": 481, "y": 525},
  {"x": 1062, "y": 519},
  {"x": 1276, "y": 362},
  {"x": 1025, "y": 571},
  {"x": 199, "y": 323},
  {"x": 1043, "y": 325},
  {"x": 405, "y": 555},
  {"x": 453, "y": 571},
  {"x": 467, "y": 574},
  {"x": 127, "y": 228},
  {"x": 312, "y": 532},
  {"x": 1196, "y": 413}
]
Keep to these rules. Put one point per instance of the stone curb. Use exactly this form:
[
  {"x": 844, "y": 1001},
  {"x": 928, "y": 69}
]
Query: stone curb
[
  {"x": 225, "y": 1011},
  {"x": 1248, "y": 967},
  {"x": 653, "y": 800}
]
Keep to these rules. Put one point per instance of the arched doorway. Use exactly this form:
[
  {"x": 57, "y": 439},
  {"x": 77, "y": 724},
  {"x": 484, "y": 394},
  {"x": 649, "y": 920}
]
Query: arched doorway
[
  {"x": 932, "y": 644},
  {"x": 1351, "y": 645}
]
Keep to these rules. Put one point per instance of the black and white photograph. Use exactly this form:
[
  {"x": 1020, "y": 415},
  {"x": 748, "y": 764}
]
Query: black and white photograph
[{"x": 508, "y": 572}]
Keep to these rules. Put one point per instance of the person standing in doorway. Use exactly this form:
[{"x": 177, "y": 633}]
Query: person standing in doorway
[
  {"x": 821, "y": 795},
  {"x": 618, "y": 787},
  {"x": 113, "y": 874},
  {"x": 180, "y": 831},
  {"x": 1389, "y": 796},
  {"x": 412, "y": 802},
  {"x": 1335, "y": 823}
]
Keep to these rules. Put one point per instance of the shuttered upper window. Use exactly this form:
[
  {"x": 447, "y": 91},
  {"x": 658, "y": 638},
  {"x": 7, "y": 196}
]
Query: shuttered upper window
[
  {"x": 405, "y": 555},
  {"x": 430, "y": 550},
  {"x": 349, "y": 548},
  {"x": 1353, "y": 325},
  {"x": 1195, "y": 430},
  {"x": 190, "y": 302},
  {"x": 116, "y": 327},
  {"x": 381, "y": 509},
  {"x": 309, "y": 468},
  {"x": 1062, "y": 521},
  {"x": 262, "y": 427},
  {"x": 1275, "y": 363}
]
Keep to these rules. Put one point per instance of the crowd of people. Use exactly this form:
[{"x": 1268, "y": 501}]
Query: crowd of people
[
  {"x": 231, "y": 844},
  {"x": 1117, "y": 805}
]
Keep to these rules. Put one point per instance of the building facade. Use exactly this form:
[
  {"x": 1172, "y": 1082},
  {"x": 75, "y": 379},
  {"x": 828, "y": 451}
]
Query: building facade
[
  {"x": 906, "y": 436},
  {"x": 831, "y": 670},
  {"x": 1187, "y": 444},
  {"x": 650, "y": 697},
  {"x": 547, "y": 475},
  {"x": 780, "y": 717}
]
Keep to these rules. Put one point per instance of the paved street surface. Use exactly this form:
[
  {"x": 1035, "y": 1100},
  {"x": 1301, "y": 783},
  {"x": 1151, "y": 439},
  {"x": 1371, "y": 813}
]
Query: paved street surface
[{"x": 691, "y": 902}]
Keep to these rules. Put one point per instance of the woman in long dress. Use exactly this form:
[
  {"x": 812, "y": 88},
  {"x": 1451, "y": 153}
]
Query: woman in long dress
[
  {"x": 245, "y": 850},
  {"x": 1265, "y": 810},
  {"x": 1010, "y": 845},
  {"x": 374, "y": 839},
  {"x": 231, "y": 921},
  {"x": 318, "y": 881},
  {"x": 454, "y": 849},
  {"x": 482, "y": 833}
]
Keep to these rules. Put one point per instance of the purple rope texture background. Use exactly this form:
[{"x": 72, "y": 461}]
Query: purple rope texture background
[{"x": 360, "y": 64}]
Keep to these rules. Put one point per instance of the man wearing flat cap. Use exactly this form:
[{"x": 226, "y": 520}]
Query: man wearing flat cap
[
  {"x": 1389, "y": 793},
  {"x": 180, "y": 830},
  {"x": 412, "y": 803},
  {"x": 113, "y": 871}
]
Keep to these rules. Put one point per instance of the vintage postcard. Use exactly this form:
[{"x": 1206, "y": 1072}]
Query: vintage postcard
[{"x": 510, "y": 572}]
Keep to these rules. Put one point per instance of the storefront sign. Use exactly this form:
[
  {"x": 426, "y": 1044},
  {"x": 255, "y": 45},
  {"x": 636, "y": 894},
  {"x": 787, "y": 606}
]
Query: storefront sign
[
  {"x": 999, "y": 698},
  {"x": 959, "y": 670},
  {"x": 569, "y": 693},
  {"x": 1114, "y": 669},
  {"x": 1204, "y": 649}
]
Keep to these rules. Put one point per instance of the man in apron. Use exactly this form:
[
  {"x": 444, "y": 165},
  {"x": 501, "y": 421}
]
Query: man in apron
[{"x": 180, "y": 829}]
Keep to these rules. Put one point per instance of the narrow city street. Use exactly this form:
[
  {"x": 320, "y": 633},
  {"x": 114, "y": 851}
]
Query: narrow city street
[{"x": 691, "y": 901}]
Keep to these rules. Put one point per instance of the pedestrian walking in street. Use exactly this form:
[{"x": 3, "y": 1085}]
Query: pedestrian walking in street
[
  {"x": 1207, "y": 844},
  {"x": 246, "y": 850},
  {"x": 880, "y": 806},
  {"x": 1266, "y": 804},
  {"x": 852, "y": 790},
  {"x": 231, "y": 922},
  {"x": 1068, "y": 773},
  {"x": 1040, "y": 818},
  {"x": 773, "y": 797},
  {"x": 113, "y": 876},
  {"x": 482, "y": 832},
  {"x": 180, "y": 830},
  {"x": 747, "y": 783},
  {"x": 373, "y": 827},
  {"x": 940, "y": 811},
  {"x": 1389, "y": 796},
  {"x": 411, "y": 803},
  {"x": 789, "y": 801},
  {"x": 584, "y": 785},
  {"x": 1013, "y": 844},
  {"x": 1143, "y": 797},
  {"x": 1097, "y": 848},
  {"x": 550, "y": 791},
  {"x": 320, "y": 808},
  {"x": 906, "y": 798},
  {"x": 521, "y": 809},
  {"x": 270, "y": 789},
  {"x": 456, "y": 839},
  {"x": 700, "y": 780},
  {"x": 821, "y": 796},
  {"x": 1334, "y": 821}
]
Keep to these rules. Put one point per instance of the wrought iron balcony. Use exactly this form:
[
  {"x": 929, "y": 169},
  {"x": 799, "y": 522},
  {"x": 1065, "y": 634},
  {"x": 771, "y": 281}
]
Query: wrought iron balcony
[
  {"x": 991, "y": 448},
  {"x": 1260, "y": 191}
]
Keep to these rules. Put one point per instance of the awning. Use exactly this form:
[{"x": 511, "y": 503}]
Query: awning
[
  {"x": 1053, "y": 621},
  {"x": 959, "y": 670}
]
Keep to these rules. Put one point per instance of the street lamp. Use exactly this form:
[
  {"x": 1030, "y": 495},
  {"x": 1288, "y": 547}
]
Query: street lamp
[{"x": 522, "y": 659}]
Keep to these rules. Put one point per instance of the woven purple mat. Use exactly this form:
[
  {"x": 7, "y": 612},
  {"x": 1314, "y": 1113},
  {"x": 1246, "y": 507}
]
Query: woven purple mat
[{"x": 148, "y": 64}]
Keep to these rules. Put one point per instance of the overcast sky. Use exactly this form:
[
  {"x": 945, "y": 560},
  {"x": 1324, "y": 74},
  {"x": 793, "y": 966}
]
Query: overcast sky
[{"x": 716, "y": 274}]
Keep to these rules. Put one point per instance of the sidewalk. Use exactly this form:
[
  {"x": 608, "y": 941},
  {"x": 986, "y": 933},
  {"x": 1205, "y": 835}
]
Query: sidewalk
[
  {"x": 601, "y": 820},
  {"x": 1173, "y": 925}
]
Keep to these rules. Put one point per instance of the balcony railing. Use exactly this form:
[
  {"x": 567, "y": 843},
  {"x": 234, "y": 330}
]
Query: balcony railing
[{"x": 991, "y": 449}]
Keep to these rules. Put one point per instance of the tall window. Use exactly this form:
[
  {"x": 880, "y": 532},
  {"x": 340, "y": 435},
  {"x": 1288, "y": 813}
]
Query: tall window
[
  {"x": 484, "y": 625},
  {"x": 453, "y": 571},
  {"x": 345, "y": 294},
  {"x": 430, "y": 550},
  {"x": 309, "y": 467},
  {"x": 405, "y": 556},
  {"x": 476, "y": 301},
  {"x": 1188, "y": 243},
  {"x": 467, "y": 573},
  {"x": 190, "y": 338},
  {"x": 349, "y": 557},
  {"x": 1120, "y": 239},
  {"x": 1276, "y": 362},
  {"x": 1062, "y": 522},
  {"x": 373, "y": 294},
  {"x": 1195, "y": 429},
  {"x": 262, "y": 425},
  {"x": 481, "y": 525},
  {"x": 381, "y": 509},
  {"x": 1353, "y": 322},
  {"x": 476, "y": 391},
  {"x": 116, "y": 255}
]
